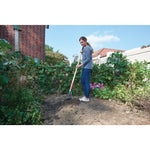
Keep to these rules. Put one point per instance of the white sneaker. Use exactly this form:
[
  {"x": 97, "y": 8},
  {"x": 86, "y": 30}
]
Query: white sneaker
[
  {"x": 85, "y": 100},
  {"x": 81, "y": 98}
]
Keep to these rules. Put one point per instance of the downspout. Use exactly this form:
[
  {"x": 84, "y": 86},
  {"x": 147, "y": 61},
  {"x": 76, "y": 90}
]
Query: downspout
[
  {"x": 16, "y": 40},
  {"x": 17, "y": 29}
]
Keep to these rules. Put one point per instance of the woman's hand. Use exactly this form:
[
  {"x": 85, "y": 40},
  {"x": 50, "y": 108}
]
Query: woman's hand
[
  {"x": 81, "y": 51},
  {"x": 77, "y": 66}
]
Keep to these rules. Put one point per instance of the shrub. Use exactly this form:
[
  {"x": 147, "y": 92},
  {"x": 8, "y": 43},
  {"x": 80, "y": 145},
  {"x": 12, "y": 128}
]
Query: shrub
[
  {"x": 121, "y": 93},
  {"x": 102, "y": 92},
  {"x": 4, "y": 45},
  {"x": 102, "y": 74},
  {"x": 113, "y": 72},
  {"x": 20, "y": 107},
  {"x": 120, "y": 66},
  {"x": 20, "y": 96},
  {"x": 131, "y": 85}
]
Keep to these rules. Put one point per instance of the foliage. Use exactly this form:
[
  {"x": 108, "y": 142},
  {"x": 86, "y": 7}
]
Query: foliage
[
  {"x": 119, "y": 64},
  {"x": 104, "y": 93},
  {"x": 4, "y": 45},
  {"x": 102, "y": 74},
  {"x": 100, "y": 91},
  {"x": 64, "y": 75},
  {"x": 137, "y": 86},
  {"x": 138, "y": 72},
  {"x": 123, "y": 80},
  {"x": 48, "y": 48},
  {"x": 121, "y": 93},
  {"x": 23, "y": 80},
  {"x": 20, "y": 95},
  {"x": 54, "y": 57},
  {"x": 125, "y": 95},
  {"x": 19, "y": 107},
  {"x": 113, "y": 72}
]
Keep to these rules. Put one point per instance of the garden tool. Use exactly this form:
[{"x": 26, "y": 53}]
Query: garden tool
[{"x": 68, "y": 96}]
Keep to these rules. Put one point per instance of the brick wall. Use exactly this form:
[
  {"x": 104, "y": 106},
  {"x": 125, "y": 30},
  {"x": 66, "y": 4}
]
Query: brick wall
[
  {"x": 31, "y": 39},
  {"x": 7, "y": 32}
]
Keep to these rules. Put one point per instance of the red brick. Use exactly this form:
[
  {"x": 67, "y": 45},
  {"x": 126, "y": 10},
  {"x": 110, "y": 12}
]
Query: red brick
[{"x": 31, "y": 39}]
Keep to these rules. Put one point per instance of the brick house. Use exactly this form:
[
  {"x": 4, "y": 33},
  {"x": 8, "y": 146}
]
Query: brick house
[{"x": 29, "y": 39}]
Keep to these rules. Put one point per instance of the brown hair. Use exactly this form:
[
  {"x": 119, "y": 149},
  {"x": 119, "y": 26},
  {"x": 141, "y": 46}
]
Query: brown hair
[{"x": 85, "y": 39}]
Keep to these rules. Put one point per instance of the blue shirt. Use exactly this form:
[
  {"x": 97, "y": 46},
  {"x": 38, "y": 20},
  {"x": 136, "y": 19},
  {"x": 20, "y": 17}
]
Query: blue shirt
[{"x": 87, "y": 57}]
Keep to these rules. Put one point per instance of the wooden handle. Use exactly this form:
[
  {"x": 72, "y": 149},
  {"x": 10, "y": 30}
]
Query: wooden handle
[{"x": 75, "y": 73}]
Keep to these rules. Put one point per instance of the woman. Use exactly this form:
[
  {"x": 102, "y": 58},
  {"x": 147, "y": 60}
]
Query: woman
[{"x": 87, "y": 66}]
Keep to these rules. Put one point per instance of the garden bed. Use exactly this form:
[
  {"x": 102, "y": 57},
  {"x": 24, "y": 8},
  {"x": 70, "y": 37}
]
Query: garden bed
[{"x": 96, "y": 112}]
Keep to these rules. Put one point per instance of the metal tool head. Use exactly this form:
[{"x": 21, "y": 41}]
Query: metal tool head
[{"x": 68, "y": 97}]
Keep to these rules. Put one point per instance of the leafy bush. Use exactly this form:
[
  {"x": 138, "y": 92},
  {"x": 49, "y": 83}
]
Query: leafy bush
[
  {"x": 20, "y": 96},
  {"x": 64, "y": 75},
  {"x": 105, "y": 93},
  {"x": 4, "y": 45},
  {"x": 113, "y": 72},
  {"x": 125, "y": 94},
  {"x": 102, "y": 74},
  {"x": 20, "y": 107},
  {"x": 54, "y": 57},
  {"x": 121, "y": 93},
  {"x": 120, "y": 66},
  {"x": 123, "y": 80},
  {"x": 138, "y": 72}
]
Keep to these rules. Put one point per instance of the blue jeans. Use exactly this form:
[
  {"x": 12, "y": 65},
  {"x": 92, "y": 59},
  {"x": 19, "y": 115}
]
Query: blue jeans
[{"x": 85, "y": 81}]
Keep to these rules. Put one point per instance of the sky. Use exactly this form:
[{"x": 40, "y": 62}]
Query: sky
[{"x": 65, "y": 38}]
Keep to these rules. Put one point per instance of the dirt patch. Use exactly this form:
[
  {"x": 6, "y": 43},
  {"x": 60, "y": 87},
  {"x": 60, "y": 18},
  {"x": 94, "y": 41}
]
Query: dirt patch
[{"x": 55, "y": 111}]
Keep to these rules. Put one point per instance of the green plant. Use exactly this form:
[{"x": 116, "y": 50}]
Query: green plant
[
  {"x": 20, "y": 95},
  {"x": 120, "y": 66},
  {"x": 138, "y": 72},
  {"x": 106, "y": 93},
  {"x": 121, "y": 93},
  {"x": 54, "y": 57},
  {"x": 4, "y": 45},
  {"x": 113, "y": 72},
  {"x": 20, "y": 107},
  {"x": 137, "y": 87},
  {"x": 102, "y": 74},
  {"x": 102, "y": 92}
]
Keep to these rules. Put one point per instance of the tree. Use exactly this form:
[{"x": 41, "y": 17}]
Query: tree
[
  {"x": 54, "y": 57},
  {"x": 48, "y": 48}
]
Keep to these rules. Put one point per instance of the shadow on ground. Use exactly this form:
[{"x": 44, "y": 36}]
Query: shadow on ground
[{"x": 69, "y": 109}]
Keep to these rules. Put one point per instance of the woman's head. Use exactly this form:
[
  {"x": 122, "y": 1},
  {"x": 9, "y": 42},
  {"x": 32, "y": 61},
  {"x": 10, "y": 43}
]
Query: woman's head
[{"x": 83, "y": 42}]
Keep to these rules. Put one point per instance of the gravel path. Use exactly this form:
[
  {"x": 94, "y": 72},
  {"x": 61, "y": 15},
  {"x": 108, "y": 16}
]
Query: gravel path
[{"x": 55, "y": 111}]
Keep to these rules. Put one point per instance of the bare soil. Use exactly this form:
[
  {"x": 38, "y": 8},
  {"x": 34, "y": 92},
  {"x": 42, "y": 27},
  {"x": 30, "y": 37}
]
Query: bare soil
[{"x": 56, "y": 111}]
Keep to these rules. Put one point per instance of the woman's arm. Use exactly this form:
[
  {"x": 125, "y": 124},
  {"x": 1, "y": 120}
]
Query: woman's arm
[{"x": 87, "y": 54}]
